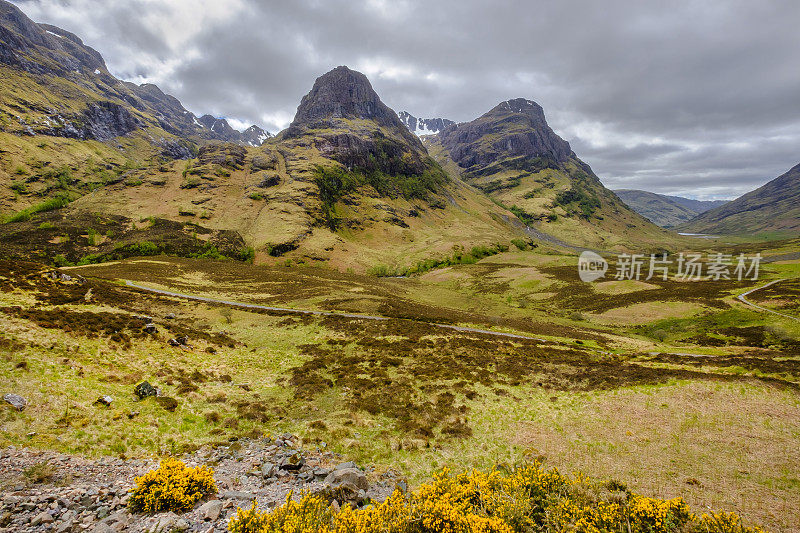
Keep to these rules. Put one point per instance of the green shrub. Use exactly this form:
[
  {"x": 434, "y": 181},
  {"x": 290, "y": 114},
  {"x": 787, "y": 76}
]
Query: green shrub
[
  {"x": 527, "y": 218},
  {"x": 576, "y": 200},
  {"x": 61, "y": 261},
  {"x": 520, "y": 244},
  {"x": 382, "y": 271},
  {"x": 246, "y": 254},
  {"x": 92, "y": 259},
  {"x": 50, "y": 204},
  {"x": 459, "y": 257},
  {"x": 91, "y": 237},
  {"x": 140, "y": 248},
  {"x": 62, "y": 175},
  {"x": 209, "y": 251}
]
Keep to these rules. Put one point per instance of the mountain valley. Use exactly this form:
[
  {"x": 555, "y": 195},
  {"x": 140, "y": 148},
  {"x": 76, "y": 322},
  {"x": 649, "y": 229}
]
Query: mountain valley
[{"x": 369, "y": 321}]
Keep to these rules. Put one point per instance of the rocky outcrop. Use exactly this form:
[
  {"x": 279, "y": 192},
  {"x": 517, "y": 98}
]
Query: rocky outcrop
[
  {"x": 105, "y": 120},
  {"x": 15, "y": 400},
  {"x": 80, "y": 494},
  {"x": 226, "y": 155},
  {"x": 511, "y": 129}
]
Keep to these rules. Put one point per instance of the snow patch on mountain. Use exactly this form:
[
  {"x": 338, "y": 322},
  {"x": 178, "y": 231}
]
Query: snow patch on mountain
[{"x": 424, "y": 126}]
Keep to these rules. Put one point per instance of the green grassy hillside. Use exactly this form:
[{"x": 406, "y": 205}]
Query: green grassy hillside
[
  {"x": 772, "y": 210},
  {"x": 656, "y": 208}
]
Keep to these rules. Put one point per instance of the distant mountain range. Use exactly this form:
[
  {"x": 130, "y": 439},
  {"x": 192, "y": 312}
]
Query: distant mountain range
[
  {"x": 424, "y": 126},
  {"x": 772, "y": 209},
  {"x": 219, "y": 127},
  {"x": 663, "y": 210}
]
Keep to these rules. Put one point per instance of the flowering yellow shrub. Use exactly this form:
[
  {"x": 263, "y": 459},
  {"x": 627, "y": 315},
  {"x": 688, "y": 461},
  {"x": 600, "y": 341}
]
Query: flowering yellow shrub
[
  {"x": 171, "y": 487},
  {"x": 527, "y": 499},
  {"x": 723, "y": 522}
]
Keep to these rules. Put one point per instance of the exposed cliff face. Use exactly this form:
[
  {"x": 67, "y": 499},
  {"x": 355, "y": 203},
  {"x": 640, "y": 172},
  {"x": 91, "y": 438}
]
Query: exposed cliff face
[
  {"x": 78, "y": 98},
  {"x": 511, "y": 129}
]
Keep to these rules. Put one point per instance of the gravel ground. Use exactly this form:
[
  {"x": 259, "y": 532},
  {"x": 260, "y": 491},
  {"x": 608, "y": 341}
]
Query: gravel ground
[{"x": 80, "y": 494}]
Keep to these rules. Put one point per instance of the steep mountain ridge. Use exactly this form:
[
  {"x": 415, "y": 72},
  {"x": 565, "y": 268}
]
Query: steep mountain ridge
[
  {"x": 54, "y": 84},
  {"x": 346, "y": 183},
  {"x": 773, "y": 208}
]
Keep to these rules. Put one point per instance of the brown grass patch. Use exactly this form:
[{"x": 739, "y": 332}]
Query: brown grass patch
[{"x": 740, "y": 442}]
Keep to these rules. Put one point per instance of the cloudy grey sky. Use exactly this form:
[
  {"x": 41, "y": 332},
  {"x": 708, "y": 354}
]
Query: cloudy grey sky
[{"x": 696, "y": 97}]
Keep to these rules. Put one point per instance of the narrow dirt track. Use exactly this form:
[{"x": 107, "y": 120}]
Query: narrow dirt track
[
  {"x": 321, "y": 313},
  {"x": 743, "y": 299}
]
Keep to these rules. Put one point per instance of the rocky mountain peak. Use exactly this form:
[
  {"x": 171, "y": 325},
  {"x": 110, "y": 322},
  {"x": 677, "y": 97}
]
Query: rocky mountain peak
[
  {"x": 255, "y": 136},
  {"x": 512, "y": 128},
  {"x": 520, "y": 105},
  {"x": 340, "y": 94},
  {"x": 344, "y": 118}
]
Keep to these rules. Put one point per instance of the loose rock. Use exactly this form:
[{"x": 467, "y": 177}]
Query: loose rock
[{"x": 16, "y": 401}]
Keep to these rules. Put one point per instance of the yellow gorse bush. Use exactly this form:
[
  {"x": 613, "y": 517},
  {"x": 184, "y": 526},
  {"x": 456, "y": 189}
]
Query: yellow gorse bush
[
  {"x": 171, "y": 487},
  {"x": 723, "y": 522},
  {"x": 527, "y": 499}
]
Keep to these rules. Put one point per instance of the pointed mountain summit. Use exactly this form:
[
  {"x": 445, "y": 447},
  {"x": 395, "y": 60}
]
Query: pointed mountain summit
[
  {"x": 340, "y": 95},
  {"x": 514, "y": 128},
  {"x": 345, "y": 120}
]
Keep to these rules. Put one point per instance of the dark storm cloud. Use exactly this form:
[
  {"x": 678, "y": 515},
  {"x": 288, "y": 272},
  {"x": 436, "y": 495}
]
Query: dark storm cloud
[{"x": 694, "y": 97}]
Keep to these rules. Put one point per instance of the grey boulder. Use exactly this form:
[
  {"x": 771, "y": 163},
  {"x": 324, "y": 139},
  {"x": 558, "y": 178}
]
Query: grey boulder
[{"x": 16, "y": 401}]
